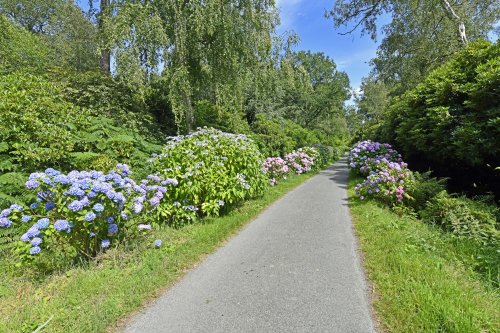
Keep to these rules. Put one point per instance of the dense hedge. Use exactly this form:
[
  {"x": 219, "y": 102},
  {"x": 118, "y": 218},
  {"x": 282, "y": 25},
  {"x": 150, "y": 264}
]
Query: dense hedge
[
  {"x": 389, "y": 180},
  {"x": 451, "y": 121},
  {"x": 39, "y": 128}
]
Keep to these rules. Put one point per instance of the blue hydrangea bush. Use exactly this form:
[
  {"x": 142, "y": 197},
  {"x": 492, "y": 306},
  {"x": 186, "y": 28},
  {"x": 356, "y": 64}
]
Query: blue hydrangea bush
[
  {"x": 214, "y": 170},
  {"x": 84, "y": 212}
]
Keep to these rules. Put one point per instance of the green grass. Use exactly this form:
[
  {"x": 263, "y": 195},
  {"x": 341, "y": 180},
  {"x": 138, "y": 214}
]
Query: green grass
[
  {"x": 420, "y": 282},
  {"x": 94, "y": 298}
]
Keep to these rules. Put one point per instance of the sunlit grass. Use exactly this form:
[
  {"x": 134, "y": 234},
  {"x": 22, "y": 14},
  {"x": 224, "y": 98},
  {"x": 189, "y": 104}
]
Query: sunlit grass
[{"x": 421, "y": 283}]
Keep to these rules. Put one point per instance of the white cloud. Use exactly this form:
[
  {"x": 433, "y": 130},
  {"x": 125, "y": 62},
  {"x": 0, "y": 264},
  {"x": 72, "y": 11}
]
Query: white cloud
[{"x": 288, "y": 12}]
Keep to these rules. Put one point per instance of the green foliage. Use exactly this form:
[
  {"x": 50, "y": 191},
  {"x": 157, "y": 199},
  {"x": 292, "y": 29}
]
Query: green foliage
[
  {"x": 414, "y": 265},
  {"x": 40, "y": 129},
  {"x": 20, "y": 49},
  {"x": 214, "y": 169},
  {"x": 104, "y": 96},
  {"x": 450, "y": 110},
  {"x": 425, "y": 189},
  {"x": 59, "y": 27},
  {"x": 420, "y": 36},
  {"x": 277, "y": 136},
  {"x": 463, "y": 217},
  {"x": 326, "y": 155}
]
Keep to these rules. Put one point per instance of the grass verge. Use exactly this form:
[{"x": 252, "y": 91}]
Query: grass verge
[
  {"x": 94, "y": 298},
  {"x": 419, "y": 281}
]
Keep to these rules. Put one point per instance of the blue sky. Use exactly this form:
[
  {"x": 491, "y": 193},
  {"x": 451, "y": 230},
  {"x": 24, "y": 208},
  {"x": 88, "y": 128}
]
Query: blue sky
[{"x": 351, "y": 52}]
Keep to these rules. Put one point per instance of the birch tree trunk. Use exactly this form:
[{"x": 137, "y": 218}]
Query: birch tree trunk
[
  {"x": 105, "y": 62},
  {"x": 461, "y": 25}
]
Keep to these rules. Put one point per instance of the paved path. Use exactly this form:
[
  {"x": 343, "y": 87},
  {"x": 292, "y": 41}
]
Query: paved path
[{"x": 293, "y": 269}]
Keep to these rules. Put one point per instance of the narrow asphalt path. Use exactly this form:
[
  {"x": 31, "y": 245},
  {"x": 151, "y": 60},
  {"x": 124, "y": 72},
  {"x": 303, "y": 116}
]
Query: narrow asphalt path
[{"x": 293, "y": 269}]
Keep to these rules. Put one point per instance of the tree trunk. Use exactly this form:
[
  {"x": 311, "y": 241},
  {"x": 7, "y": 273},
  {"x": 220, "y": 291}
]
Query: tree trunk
[
  {"x": 105, "y": 53},
  {"x": 189, "y": 114},
  {"x": 461, "y": 25}
]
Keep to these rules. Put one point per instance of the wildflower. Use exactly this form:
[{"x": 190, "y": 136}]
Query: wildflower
[
  {"x": 90, "y": 216},
  {"x": 105, "y": 243}
]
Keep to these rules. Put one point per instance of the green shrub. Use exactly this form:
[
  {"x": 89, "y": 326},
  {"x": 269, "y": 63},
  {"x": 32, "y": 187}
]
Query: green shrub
[
  {"x": 463, "y": 217},
  {"x": 20, "y": 49},
  {"x": 326, "y": 154},
  {"x": 271, "y": 137},
  {"x": 40, "y": 129},
  {"x": 425, "y": 189},
  {"x": 214, "y": 170},
  {"x": 450, "y": 122},
  {"x": 277, "y": 136}
]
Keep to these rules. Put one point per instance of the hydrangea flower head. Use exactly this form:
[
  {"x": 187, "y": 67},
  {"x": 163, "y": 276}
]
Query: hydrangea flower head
[
  {"x": 33, "y": 231},
  {"x": 5, "y": 222},
  {"x": 36, "y": 241},
  {"x": 105, "y": 243},
  {"x": 90, "y": 216},
  {"x": 31, "y": 184},
  {"x": 157, "y": 243},
  {"x": 98, "y": 207},
  {"x": 17, "y": 207},
  {"x": 50, "y": 205},
  {"x": 75, "y": 206},
  {"x": 5, "y": 213},
  {"x": 42, "y": 223},
  {"x": 112, "y": 229},
  {"x": 35, "y": 250},
  {"x": 62, "y": 225}
]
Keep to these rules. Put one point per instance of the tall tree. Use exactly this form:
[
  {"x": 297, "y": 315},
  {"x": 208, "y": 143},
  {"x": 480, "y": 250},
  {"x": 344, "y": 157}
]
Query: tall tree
[
  {"x": 210, "y": 50},
  {"x": 421, "y": 34},
  {"x": 62, "y": 24},
  {"x": 373, "y": 101},
  {"x": 105, "y": 61}
]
